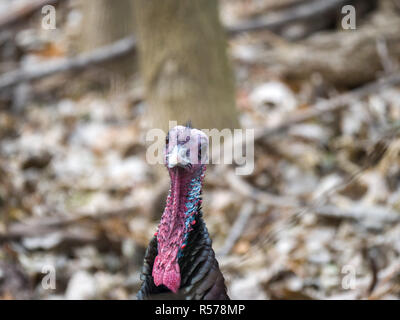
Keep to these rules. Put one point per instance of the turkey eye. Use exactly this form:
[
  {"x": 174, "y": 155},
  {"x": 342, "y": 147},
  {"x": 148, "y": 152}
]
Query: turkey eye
[{"x": 187, "y": 138}]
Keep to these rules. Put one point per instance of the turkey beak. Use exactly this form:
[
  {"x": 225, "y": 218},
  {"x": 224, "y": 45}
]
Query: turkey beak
[{"x": 177, "y": 157}]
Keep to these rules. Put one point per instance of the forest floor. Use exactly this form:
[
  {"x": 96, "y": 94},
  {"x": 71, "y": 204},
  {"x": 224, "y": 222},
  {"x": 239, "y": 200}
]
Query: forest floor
[{"x": 320, "y": 214}]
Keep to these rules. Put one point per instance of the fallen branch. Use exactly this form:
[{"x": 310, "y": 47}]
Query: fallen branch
[
  {"x": 344, "y": 59},
  {"x": 237, "y": 228},
  {"x": 42, "y": 226},
  {"x": 281, "y": 19},
  {"x": 334, "y": 104},
  {"x": 385, "y": 280},
  {"x": 250, "y": 192},
  {"x": 40, "y": 70},
  {"x": 373, "y": 215}
]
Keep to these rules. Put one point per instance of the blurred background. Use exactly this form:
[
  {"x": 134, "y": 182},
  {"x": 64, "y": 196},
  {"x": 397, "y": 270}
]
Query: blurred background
[{"x": 82, "y": 81}]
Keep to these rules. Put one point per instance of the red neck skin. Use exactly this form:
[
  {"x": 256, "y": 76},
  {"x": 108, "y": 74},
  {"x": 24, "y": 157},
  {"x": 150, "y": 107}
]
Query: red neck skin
[{"x": 171, "y": 232}]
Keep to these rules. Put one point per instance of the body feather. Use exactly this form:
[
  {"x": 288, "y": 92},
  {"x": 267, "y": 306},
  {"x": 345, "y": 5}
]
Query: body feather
[{"x": 201, "y": 276}]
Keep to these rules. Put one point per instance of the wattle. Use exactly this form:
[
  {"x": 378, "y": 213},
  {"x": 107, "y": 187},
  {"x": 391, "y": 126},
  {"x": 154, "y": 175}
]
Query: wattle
[{"x": 177, "y": 221}]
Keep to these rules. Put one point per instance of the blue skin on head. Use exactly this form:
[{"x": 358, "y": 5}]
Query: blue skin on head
[{"x": 193, "y": 206}]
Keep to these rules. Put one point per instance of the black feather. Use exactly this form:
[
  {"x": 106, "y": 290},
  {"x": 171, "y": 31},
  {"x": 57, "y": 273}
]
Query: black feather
[{"x": 201, "y": 278}]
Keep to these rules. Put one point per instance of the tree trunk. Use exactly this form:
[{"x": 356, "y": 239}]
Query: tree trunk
[
  {"x": 182, "y": 52},
  {"x": 104, "y": 22}
]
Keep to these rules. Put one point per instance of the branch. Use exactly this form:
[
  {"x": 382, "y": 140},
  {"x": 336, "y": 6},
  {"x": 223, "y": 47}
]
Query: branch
[
  {"x": 237, "y": 228},
  {"x": 330, "y": 105},
  {"x": 248, "y": 191},
  {"x": 40, "y": 227},
  {"x": 371, "y": 214},
  {"x": 40, "y": 70},
  {"x": 299, "y": 13},
  {"x": 386, "y": 278}
]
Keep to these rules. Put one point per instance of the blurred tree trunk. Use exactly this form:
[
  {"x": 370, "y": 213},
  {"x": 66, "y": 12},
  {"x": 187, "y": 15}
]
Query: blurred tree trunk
[
  {"x": 182, "y": 52},
  {"x": 104, "y": 22}
]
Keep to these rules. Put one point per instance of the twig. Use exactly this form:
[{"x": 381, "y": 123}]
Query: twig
[
  {"x": 40, "y": 70},
  {"x": 39, "y": 227},
  {"x": 383, "y": 285},
  {"x": 330, "y": 105},
  {"x": 248, "y": 191},
  {"x": 292, "y": 15},
  {"x": 371, "y": 256},
  {"x": 237, "y": 228},
  {"x": 388, "y": 63},
  {"x": 377, "y": 214}
]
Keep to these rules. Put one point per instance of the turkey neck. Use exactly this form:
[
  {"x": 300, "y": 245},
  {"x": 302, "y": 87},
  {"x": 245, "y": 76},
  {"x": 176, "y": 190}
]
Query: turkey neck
[{"x": 182, "y": 205}]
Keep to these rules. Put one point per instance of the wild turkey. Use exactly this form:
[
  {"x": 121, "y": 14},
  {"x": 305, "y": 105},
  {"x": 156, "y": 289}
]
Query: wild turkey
[{"x": 179, "y": 262}]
